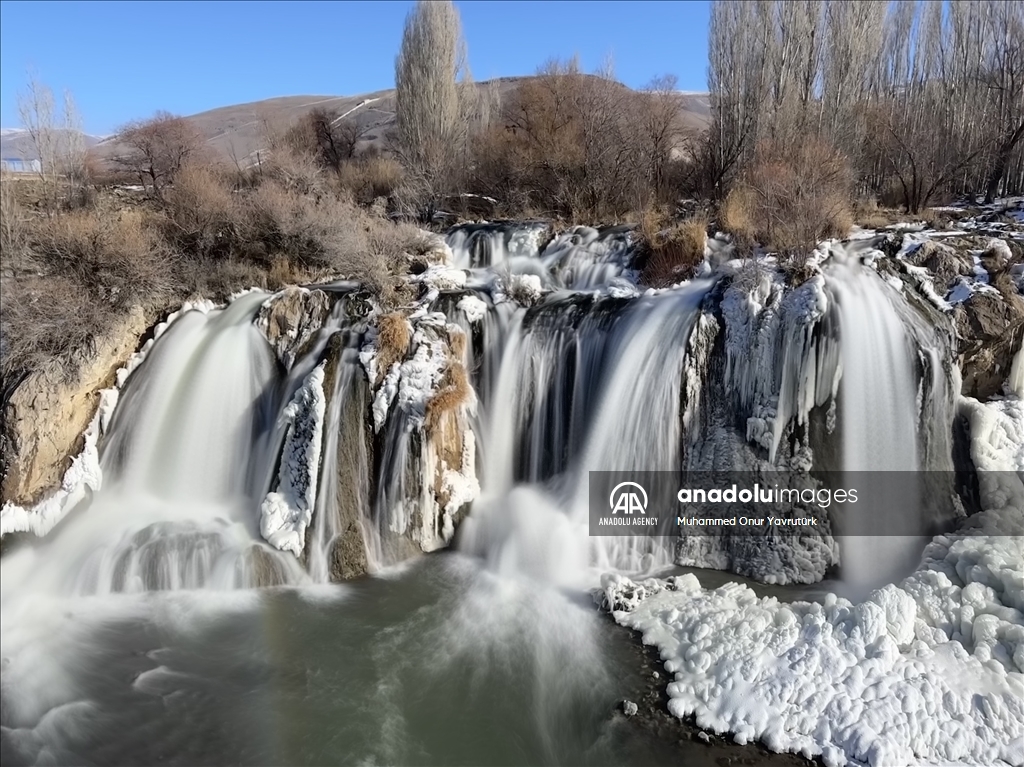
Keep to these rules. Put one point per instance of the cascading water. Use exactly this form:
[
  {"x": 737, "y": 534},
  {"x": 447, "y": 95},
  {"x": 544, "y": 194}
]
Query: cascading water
[
  {"x": 210, "y": 440},
  {"x": 183, "y": 469},
  {"x": 585, "y": 385},
  {"x": 879, "y": 420}
]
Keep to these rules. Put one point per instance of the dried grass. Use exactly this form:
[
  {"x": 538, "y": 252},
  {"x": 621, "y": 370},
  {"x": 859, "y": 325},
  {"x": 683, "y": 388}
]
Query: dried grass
[
  {"x": 735, "y": 215},
  {"x": 453, "y": 393},
  {"x": 675, "y": 252},
  {"x": 394, "y": 335}
]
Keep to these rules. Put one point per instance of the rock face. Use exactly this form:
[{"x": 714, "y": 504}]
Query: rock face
[
  {"x": 348, "y": 558},
  {"x": 291, "y": 318},
  {"x": 945, "y": 263},
  {"x": 991, "y": 330},
  {"x": 45, "y": 417}
]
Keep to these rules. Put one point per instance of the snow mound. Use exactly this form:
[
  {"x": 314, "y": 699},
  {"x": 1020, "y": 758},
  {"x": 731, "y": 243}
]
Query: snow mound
[
  {"x": 474, "y": 308},
  {"x": 916, "y": 674},
  {"x": 524, "y": 289},
  {"x": 442, "y": 277},
  {"x": 927, "y": 671}
]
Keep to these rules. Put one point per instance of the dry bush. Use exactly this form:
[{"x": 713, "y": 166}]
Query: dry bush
[
  {"x": 203, "y": 215},
  {"x": 393, "y": 339},
  {"x": 795, "y": 197},
  {"x": 121, "y": 260},
  {"x": 735, "y": 215},
  {"x": 283, "y": 272},
  {"x": 313, "y": 233},
  {"x": 46, "y": 324},
  {"x": 370, "y": 177},
  {"x": 575, "y": 146},
  {"x": 675, "y": 252},
  {"x": 332, "y": 237},
  {"x": 219, "y": 279},
  {"x": 88, "y": 269}
]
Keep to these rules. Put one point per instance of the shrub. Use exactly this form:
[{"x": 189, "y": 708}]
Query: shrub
[
  {"x": 735, "y": 215},
  {"x": 793, "y": 197},
  {"x": 203, "y": 215},
  {"x": 675, "y": 252},
  {"x": 120, "y": 259},
  {"x": 46, "y": 323},
  {"x": 370, "y": 177}
]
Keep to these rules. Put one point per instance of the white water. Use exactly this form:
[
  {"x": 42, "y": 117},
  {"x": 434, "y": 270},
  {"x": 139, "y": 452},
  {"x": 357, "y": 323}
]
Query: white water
[
  {"x": 878, "y": 392},
  {"x": 183, "y": 469},
  {"x": 602, "y": 396}
]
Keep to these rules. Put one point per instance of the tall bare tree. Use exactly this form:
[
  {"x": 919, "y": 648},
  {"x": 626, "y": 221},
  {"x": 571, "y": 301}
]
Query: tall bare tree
[
  {"x": 923, "y": 94},
  {"x": 429, "y": 102},
  {"x": 1003, "y": 87}
]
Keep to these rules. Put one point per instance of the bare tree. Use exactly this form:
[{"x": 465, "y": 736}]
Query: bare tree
[
  {"x": 155, "y": 150},
  {"x": 429, "y": 109},
  {"x": 924, "y": 95},
  {"x": 56, "y": 137},
  {"x": 1003, "y": 81},
  {"x": 738, "y": 43},
  {"x": 569, "y": 143},
  {"x": 660, "y": 120}
]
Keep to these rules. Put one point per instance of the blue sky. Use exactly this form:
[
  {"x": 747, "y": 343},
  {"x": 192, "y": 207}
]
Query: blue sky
[{"x": 124, "y": 60}]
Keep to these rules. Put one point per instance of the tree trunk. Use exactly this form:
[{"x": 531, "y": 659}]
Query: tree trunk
[{"x": 1002, "y": 160}]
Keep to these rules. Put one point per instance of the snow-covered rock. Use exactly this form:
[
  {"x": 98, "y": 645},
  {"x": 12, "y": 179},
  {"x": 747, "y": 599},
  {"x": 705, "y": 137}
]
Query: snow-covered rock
[{"x": 287, "y": 511}]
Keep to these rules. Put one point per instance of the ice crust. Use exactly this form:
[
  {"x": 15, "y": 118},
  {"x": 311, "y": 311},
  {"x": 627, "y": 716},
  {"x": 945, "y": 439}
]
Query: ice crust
[
  {"x": 287, "y": 511},
  {"x": 928, "y": 671}
]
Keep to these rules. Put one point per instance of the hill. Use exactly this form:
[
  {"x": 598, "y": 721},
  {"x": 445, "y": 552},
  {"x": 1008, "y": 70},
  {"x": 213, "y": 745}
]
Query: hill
[
  {"x": 235, "y": 131},
  {"x": 16, "y": 144}
]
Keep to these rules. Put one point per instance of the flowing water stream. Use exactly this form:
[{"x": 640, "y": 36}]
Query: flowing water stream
[{"x": 136, "y": 634}]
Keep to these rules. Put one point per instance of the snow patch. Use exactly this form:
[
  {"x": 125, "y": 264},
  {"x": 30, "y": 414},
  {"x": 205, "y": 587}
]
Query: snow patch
[
  {"x": 442, "y": 277},
  {"x": 928, "y": 671},
  {"x": 474, "y": 308},
  {"x": 524, "y": 289}
]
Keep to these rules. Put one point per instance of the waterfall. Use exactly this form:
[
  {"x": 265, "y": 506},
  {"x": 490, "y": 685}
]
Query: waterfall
[
  {"x": 275, "y": 441},
  {"x": 183, "y": 469},
  {"x": 879, "y": 420},
  {"x": 339, "y": 522},
  {"x": 584, "y": 386}
]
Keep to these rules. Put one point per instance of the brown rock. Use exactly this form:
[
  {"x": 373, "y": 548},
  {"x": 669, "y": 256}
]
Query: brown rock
[{"x": 945, "y": 263}]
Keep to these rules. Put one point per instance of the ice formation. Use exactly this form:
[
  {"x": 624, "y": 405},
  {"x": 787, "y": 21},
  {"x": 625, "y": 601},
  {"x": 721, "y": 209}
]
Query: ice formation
[
  {"x": 287, "y": 511},
  {"x": 474, "y": 309},
  {"x": 927, "y": 671}
]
